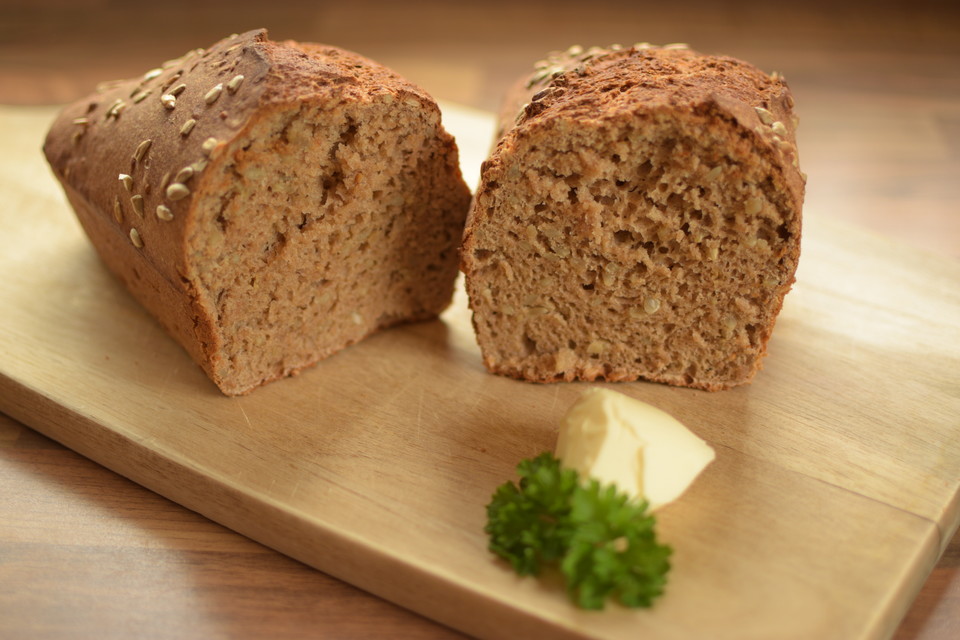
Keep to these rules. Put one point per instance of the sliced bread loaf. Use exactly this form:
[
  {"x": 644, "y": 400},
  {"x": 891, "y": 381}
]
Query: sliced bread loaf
[
  {"x": 639, "y": 217},
  {"x": 270, "y": 203}
]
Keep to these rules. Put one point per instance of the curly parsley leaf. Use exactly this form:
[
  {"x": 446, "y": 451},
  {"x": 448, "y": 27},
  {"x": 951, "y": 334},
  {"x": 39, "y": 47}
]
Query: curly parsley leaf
[
  {"x": 613, "y": 550},
  {"x": 528, "y": 526},
  {"x": 603, "y": 542}
]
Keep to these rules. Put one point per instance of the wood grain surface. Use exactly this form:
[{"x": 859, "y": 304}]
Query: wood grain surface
[
  {"x": 92, "y": 554},
  {"x": 834, "y": 491}
]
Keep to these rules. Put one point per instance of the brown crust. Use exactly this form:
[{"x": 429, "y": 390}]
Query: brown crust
[
  {"x": 615, "y": 87},
  {"x": 575, "y": 84},
  {"x": 182, "y": 115}
]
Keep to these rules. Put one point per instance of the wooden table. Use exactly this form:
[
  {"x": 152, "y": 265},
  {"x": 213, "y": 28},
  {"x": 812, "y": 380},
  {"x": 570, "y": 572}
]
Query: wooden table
[{"x": 84, "y": 552}]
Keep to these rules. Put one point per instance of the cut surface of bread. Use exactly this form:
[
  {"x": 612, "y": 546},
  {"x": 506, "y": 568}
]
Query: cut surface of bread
[
  {"x": 270, "y": 203},
  {"x": 639, "y": 218}
]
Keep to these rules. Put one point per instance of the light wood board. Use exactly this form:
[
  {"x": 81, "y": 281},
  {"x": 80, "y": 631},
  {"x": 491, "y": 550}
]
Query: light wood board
[{"x": 834, "y": 490}]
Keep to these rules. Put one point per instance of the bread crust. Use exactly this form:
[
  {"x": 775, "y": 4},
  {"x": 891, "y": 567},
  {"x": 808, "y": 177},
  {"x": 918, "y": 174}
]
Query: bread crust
[
  {"x": 137, "y": 158},
  {"x": 576, "y": 103}
]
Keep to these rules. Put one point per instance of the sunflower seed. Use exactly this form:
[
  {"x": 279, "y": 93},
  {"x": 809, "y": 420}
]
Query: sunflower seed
[
  {"x": 235, "y": 83},
  {"x": 209, "y": 145},
  {"x": 141, "y": 151},
  {"x": 184, "y": 174},
  {"x": 115, "y": 109},
  {"x": 753, "y": 206},
  {"x": 211, "y": 96},
  {"x": 765, "y": 116},
  {"x": 177, "y": 191}
]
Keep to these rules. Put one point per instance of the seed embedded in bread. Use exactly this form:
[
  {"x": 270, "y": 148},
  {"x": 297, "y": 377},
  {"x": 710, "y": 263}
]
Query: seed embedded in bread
[
  {"x": 141, "y": 151},
  {"x": 211, "y": 96},
  {"x": 209, "y": 145},
  {"x": 234, "y": 84},
  {"x": 115, "y": 109},
  {"x": 304, "y": 196},
  {"x": 650, "y": 199},
  {"x": 177, "y": 191}
]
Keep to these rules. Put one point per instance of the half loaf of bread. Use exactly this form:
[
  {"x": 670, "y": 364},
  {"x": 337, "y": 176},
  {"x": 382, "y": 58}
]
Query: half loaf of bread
[
  {"x": 270, "y": 203},
  {"x": 639, "y": 217}
]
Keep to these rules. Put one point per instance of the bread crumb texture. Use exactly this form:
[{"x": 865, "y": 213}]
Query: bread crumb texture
[
  {"x": 270, "y": 203},
  {"x": 639, "y": 217}
]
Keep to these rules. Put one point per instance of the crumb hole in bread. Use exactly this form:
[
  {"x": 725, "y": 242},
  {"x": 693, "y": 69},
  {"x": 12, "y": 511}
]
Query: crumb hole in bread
[
  {"x": 752, "y": 334},
  {"x": 605, "y": 200},
  {"x": 644, "y": 169},
  {"x": 529, "y": 344},
  {"x": 274, "y": 247}
]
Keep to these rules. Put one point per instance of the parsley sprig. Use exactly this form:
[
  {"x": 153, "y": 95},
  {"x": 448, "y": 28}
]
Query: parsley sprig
[{"x": 603, "y": 542}]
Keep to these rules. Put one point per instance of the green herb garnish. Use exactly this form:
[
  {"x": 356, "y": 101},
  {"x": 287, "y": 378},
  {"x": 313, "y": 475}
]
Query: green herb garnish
[{"x": 603, "y": 542}]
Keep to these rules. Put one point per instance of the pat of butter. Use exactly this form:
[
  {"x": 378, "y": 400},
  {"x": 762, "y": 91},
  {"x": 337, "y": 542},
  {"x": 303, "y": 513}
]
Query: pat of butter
[{"x": 644, "y": 451}]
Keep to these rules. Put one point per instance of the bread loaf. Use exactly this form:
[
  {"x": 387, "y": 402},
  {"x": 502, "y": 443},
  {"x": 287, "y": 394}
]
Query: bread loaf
[
  {"x": 639, "y": 217},
  {"x": 270, "y": 203}
]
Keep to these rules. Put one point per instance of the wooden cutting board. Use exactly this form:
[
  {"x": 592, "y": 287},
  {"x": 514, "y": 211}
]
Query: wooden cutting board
[{"x": 834, "y": 490}]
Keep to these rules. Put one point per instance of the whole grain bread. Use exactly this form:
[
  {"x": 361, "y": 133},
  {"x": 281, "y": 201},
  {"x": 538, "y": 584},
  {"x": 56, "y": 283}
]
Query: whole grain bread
[
  {"x": 270, "y": 203},
  {"x": 638, "y": 217}
]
